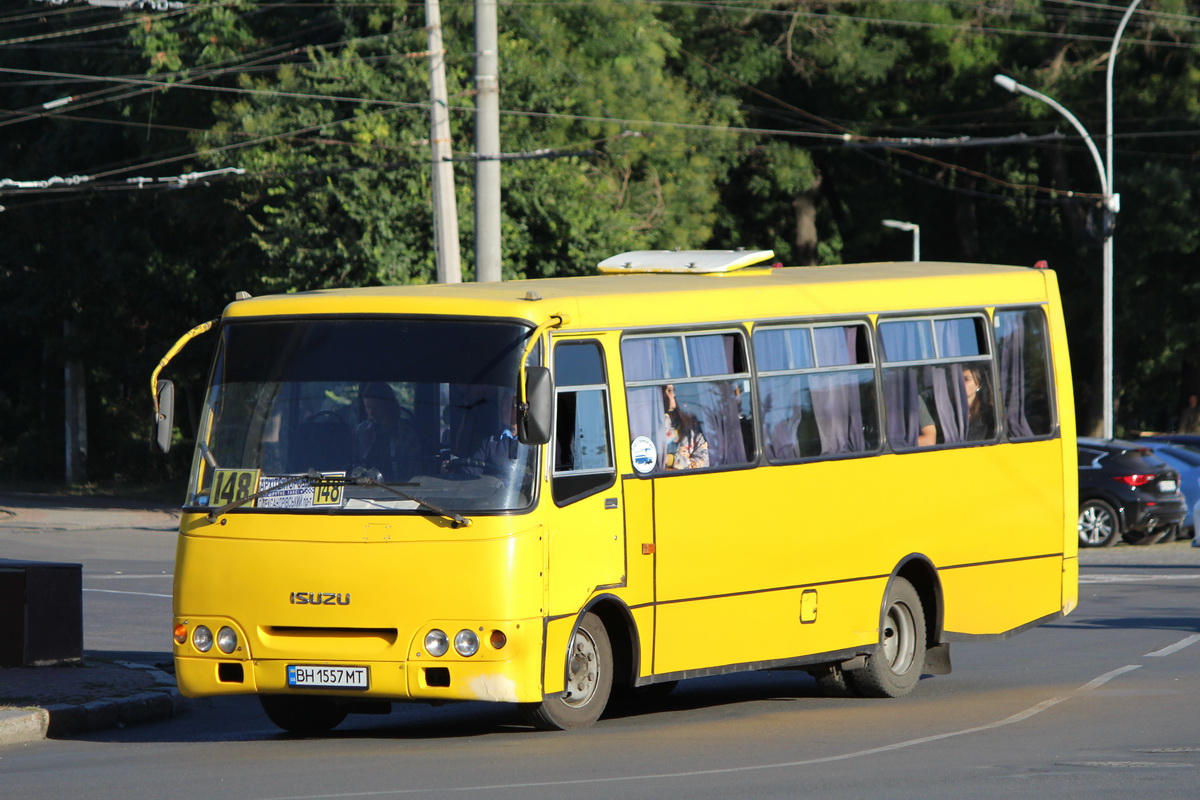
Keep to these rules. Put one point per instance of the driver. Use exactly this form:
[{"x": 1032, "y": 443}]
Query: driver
[{"x": 383, "y": 441}]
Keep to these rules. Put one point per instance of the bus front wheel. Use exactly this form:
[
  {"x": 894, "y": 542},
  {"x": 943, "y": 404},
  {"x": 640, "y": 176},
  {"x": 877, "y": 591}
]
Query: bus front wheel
[
  {"x": 589, "y": 681},
  {"x": 306, "y": 716},
  {"x": 896, "y": 666}
]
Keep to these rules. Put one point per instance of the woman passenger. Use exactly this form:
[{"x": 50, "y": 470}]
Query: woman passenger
[
  {"x": 686, "y": 446},
  {"x": 981, "y": 420}
]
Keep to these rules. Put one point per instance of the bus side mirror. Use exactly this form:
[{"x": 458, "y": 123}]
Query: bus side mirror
[
  {"x": 164, "y": 418},
  {"x": 534, "y": 425}
]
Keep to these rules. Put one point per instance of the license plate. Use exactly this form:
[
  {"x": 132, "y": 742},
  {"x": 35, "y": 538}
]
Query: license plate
[
  {"x": 304, "y": 676},
  {"x": 1166, "y": 486}
]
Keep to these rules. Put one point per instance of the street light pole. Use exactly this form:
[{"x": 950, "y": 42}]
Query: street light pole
[
  {"x": 914, "y": 228},
  {"x": 1114, "y": 207},
  {"x": 1112, "y": 203}
]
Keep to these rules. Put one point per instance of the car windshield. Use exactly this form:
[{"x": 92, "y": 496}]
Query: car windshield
[{"x": 378, "y": 413}]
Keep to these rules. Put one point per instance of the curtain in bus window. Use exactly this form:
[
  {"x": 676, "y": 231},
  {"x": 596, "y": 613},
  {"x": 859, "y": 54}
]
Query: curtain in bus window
[
  {"x": 836, "y": 402},
  {"x": 783, "y": 403},
  {"x": 714, "y": 355},
  {"x": 1010, "y": 344},
  {"x": 950, "y": 402},
  {"x": 902, "y": 399},
  {"x": 643, "y": 360},
  {"x": 783, "y": 409},
  {"x": 956, "y": 338},
  {"x": 904, "y": 341}
]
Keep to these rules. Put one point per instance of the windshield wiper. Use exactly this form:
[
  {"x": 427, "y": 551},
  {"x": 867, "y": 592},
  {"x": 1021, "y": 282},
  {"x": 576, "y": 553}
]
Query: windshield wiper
[
  {"x": 312, "y": 476},
  {"x": 456, "y": 520}
]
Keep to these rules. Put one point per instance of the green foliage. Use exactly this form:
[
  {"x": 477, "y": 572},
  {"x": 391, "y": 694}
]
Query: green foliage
[{"x": 628, "y": 125}]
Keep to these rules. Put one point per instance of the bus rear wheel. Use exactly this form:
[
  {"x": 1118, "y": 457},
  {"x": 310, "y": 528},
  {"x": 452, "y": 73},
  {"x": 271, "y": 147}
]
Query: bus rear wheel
[
  {"x": 896, "y": 666},
  {"x": 306, "y": 716},
  {"x": 589, "y": 681}
]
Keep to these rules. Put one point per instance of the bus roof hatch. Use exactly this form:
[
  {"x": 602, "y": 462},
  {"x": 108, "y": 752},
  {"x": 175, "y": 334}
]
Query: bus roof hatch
[{"x": 694, "y": 261}]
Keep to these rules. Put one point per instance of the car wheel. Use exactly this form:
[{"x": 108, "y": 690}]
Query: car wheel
[{"x": 1098, "y": 524}]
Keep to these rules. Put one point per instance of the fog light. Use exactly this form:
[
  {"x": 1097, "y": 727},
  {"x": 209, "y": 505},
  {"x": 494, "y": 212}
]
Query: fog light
[
  {"x": 226, "y": 640},
  {"x": 202, "y": 638},
  {"x": 466, "y": 643},
  {"x": 436, "y": 643},
  {"x": 180, "y": 633},
  {"x": 498, "y": 640}
]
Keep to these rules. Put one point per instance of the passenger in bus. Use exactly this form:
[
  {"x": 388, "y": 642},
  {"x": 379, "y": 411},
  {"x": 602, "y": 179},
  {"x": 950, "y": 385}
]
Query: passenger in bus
[
  {"x": 686, "y": 446},
  {"x": 927, "y": 434},
  {"x": 383, "y": 441},
  {"x": 981, "y": 419}
]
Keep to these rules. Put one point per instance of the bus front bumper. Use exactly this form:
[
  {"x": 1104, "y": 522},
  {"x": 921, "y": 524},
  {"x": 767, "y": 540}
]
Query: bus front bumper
[{"x": 418, "y": 681}]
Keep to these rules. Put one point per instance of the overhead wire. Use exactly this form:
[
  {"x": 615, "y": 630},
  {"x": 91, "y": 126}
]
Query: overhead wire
[{"x": 145, "y": 85}]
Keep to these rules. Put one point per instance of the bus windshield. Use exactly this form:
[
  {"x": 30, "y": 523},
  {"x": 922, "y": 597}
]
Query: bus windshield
[{"x": 394, "y": 414}]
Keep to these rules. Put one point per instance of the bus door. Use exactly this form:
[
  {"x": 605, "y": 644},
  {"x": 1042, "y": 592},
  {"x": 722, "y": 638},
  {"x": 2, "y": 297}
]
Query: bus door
[{"x": 586, "y": 529}]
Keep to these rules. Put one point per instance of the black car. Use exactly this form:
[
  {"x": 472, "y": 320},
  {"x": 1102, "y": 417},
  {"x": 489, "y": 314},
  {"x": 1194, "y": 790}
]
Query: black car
[{"x": 1125, "y": 491}]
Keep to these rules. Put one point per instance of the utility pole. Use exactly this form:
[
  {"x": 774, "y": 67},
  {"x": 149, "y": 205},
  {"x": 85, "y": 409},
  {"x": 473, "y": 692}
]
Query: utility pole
[
  {"x": 487, "y": 143},
  {"x": 75, "y": 409},
  {"x": 445, "y": 208}
]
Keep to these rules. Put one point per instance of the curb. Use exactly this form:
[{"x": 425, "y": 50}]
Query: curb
[{"x": 31, "y": 724}]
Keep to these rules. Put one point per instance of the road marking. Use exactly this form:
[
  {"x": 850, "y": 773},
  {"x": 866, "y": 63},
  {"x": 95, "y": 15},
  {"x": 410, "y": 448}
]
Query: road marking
[
  {"x": 123, "y": 576},
  {"x": 114, "y": 591},
  {"x": 1018, "y": 717},
  {"x": 1106, "y": 677},
  {"x": 1133, "y": 577},
  {"x": 1186, "y": 641}
]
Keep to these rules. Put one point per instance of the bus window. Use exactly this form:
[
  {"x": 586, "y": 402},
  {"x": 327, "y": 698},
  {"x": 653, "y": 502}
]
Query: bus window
[
  {"x": 938, "y": 381},
  {"x": 583, "y": 455},
  {"x": 702, "y": 410},
  {"x": 818, "y": 391},
  {"x": 1021, "y": 349}
]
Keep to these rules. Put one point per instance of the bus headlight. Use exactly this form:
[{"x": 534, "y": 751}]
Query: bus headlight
[
  {"x": 466, "y": 643},
  {"x": 436, "y": 643},
  {"x": 202, "y": 638},
  {"x": 226, "y": 640}
]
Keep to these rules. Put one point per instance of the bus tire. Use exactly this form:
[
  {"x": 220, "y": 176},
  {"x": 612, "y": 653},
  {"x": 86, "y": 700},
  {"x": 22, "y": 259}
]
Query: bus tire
[
  {"x": 589, "y": 670},
  {"x": 896, "y": 666},
  {"x": 306, "y": 716}
]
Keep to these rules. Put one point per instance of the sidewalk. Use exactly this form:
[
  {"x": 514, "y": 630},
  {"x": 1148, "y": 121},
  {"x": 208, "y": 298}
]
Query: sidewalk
[{"x": 36, "y": 702}]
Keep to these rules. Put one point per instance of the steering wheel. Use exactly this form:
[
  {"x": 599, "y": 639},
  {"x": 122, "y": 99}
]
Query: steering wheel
[
  {"x": 461, "y": 465},
  {"x": 323, "y": 417}
]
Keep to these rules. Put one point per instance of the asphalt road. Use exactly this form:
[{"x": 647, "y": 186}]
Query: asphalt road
[{"x": 1099, "y": 705}]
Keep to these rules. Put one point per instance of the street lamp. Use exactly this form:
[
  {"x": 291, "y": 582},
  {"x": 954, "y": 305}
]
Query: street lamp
[
  {"x": 1112, "y": 203},
  {"x": 908, "y": 226}
]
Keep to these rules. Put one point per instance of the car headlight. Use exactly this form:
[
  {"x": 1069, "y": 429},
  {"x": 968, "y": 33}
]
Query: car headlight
[
  {"x": 202, "y": 638},
  {"x": 466, "y": 643},
  {"x": 227, "y": 640},
  {"x": 436, "y": 643}
]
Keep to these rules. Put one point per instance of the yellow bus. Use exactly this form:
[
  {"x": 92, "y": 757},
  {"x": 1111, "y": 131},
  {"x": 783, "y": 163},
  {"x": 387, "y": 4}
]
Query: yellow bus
[{"x": 549, "y": 492}]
